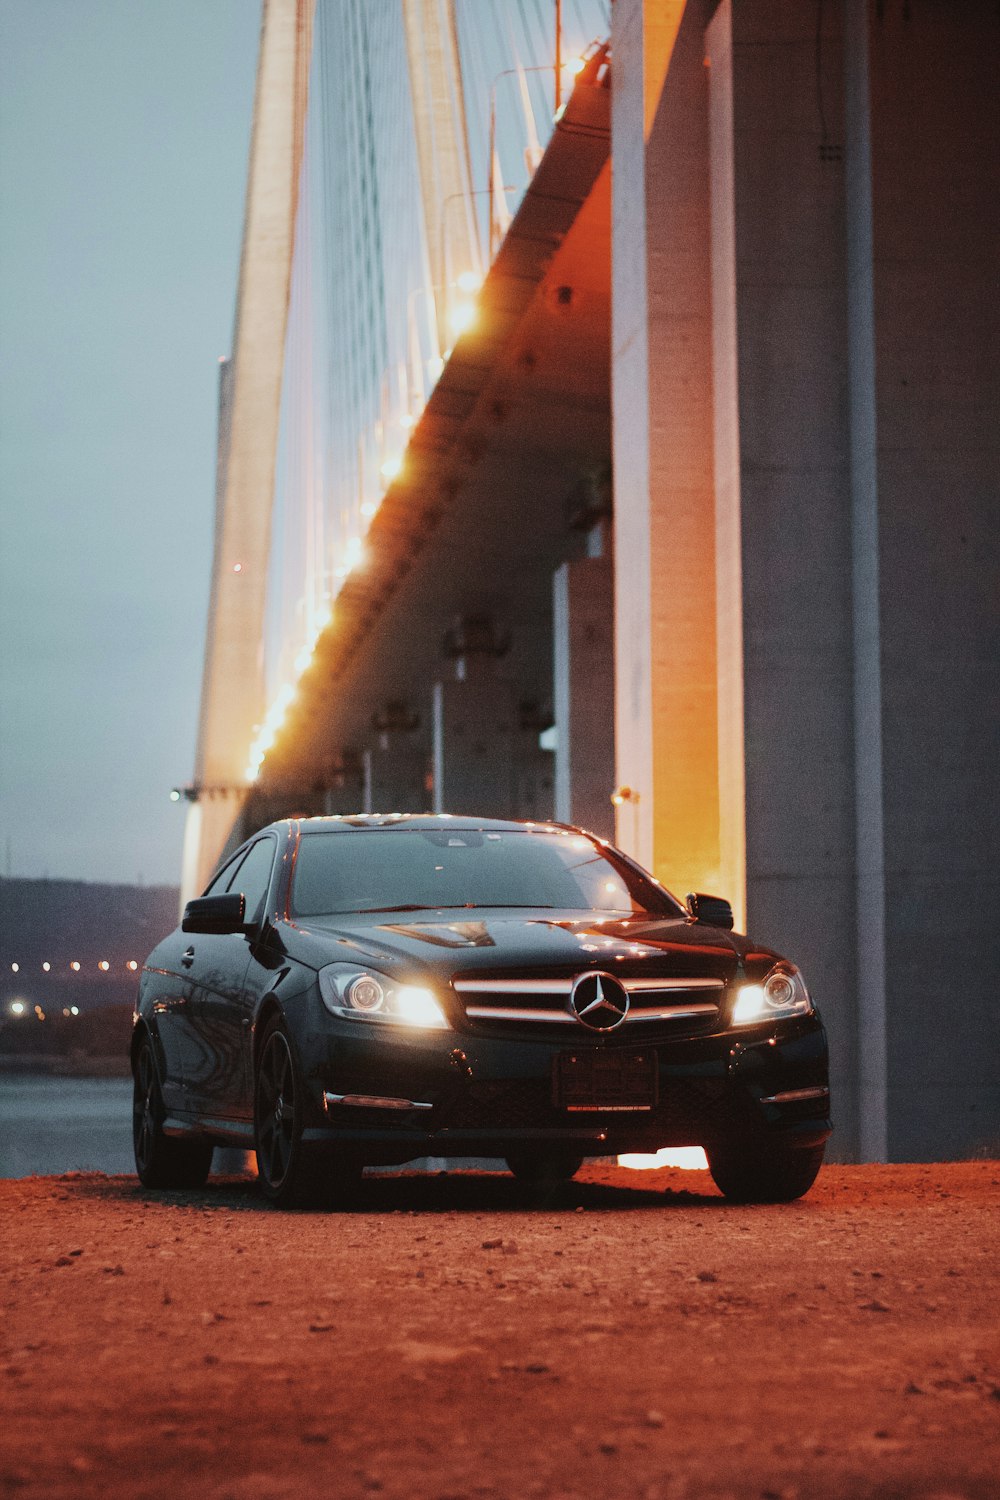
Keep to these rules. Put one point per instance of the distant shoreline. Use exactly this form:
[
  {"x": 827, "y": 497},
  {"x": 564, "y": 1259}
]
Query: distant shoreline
[{"x": 52, "y": 1065}]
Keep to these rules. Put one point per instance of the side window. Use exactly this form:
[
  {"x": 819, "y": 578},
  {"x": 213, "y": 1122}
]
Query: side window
[
  {"x": 253, "y": 877},
  {"x": 225, "y": 875}
]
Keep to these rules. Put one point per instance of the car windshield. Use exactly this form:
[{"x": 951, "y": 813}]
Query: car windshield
[{"x": 417, "y": 869}]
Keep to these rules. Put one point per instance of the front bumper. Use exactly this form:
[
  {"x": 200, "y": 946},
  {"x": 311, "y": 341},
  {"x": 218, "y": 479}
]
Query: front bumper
[{"x": 395, "y": 1096}]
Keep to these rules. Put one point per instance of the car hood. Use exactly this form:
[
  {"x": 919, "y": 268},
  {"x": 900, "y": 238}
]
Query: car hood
[{"x": 529, "y": 943}]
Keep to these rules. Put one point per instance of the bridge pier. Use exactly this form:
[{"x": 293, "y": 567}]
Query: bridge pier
[
  {"x": 805, "y": 488},
  {"x": 662, "y": 414},
  {"x": 396, "y": 763},
  {"x": 584, "y": 693}
]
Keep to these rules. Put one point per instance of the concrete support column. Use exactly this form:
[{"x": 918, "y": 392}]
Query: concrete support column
[
  {"x": 662, "y": 410},
  {"x": 583, "y": 693},
  {"x": 486, "y": 757},
  {"x": 475, "y": 739},
  {"x": 397, "y": 768},
  {"x": 784, "y": 532},
  {"x": 923, "y": 194}
]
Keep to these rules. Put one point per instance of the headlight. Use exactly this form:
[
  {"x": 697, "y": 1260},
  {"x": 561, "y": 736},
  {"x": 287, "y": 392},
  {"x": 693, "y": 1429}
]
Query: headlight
[
  {"x": 362, "y": 994},
  {"x": 781, "y": 993}
]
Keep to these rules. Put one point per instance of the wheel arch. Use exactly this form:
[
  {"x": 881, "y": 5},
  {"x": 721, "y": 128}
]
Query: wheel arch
[
  {"x": 141, "y": 1032},
  {"x": 270, "y": 1009}
]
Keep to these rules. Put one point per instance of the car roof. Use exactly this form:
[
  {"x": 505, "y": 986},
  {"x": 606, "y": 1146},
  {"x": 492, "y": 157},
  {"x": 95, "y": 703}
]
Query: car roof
[{"x": 348, "y": 822}]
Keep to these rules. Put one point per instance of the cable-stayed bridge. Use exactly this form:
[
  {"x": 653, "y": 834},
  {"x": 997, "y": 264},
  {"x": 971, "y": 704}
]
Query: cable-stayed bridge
[{"x": 608, "y": 417}]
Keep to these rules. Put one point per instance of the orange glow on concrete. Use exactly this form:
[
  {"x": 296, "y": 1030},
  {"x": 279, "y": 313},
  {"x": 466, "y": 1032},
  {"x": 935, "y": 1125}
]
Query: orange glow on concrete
[{"x": 688, "y": 1158}]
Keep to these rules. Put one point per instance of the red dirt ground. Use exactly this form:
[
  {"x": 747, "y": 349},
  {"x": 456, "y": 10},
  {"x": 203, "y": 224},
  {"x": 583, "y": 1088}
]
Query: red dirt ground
[{"x": 451, "y": 1338}]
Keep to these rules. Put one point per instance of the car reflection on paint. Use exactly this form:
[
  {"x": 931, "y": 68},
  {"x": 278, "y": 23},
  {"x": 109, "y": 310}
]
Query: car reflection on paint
[{"x": 369, "y": 990}]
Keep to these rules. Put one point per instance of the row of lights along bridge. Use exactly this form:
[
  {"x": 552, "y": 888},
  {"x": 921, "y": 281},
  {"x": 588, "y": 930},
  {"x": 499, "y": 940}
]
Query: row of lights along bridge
[{"x": 76, "y": 966}]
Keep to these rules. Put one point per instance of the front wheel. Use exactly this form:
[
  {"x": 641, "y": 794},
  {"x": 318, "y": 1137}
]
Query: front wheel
[
  {"x": 766, "y": 1172},
  {"x": 160, "y": 1160},
  {"x": 290, "y": 1174}
]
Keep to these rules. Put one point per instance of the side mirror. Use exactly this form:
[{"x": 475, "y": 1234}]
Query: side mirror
[
  {"x": 218, "y": 914},
  {"x": 714, "y": 911}
]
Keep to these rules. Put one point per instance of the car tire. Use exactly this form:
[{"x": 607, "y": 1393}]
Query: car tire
[
  {"x": 161, "y": 1161},
  {"x": 290, "y": 1173},
  {"x": 540, "y": 1167},
  {"x": 765, "y": 1172}
]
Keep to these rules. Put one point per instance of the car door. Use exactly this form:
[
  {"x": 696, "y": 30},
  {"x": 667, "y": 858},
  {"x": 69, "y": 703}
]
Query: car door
[
  {"x": 200, "y": 955},
  {"x": 166, "y": 993},
  {"x": 223, "y": 1005}
]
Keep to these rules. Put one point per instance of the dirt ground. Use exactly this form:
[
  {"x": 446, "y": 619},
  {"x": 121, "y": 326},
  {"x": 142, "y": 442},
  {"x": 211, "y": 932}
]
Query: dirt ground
[{"x": 628, "y": 1335}]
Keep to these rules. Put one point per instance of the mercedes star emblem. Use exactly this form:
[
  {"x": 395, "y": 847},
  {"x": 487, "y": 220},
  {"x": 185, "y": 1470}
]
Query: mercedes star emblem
[{"x": 600, "y": 1001}]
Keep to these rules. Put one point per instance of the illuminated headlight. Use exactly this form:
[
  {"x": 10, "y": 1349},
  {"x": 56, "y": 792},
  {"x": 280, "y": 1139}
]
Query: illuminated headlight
[
  {"x": 781, "y": 993},
  {"x": 357, "y": 994}
]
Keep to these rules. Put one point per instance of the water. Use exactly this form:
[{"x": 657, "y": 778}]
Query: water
[{"x": 64, "y": 1125}]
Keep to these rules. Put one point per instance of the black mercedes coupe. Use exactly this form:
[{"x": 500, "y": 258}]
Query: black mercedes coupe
[{"x": 369, "y": 990}]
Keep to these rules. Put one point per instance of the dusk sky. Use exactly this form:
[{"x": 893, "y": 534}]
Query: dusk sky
[{"x": 124, "y": 130}]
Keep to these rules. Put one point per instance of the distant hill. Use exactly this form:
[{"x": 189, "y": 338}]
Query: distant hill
[{"x": 74, "y": 922}]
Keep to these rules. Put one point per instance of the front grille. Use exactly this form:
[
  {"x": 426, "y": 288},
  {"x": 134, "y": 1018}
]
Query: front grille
[{"x": 657, "y": 1006}]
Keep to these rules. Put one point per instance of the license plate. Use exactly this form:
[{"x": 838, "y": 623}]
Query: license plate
[{"x": 611, "y": 1081}]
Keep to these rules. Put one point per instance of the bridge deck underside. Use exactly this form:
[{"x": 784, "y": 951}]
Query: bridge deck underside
[{"x": 480, "y": 518}]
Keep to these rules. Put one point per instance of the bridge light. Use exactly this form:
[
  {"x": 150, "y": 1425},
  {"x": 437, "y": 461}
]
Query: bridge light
[
  {"x": 576, "y": 64},
  {"x": 392, "y": 466},
  {"x": 175, "y": 795},
  {"x": 74, "y": 1010},
  {"x": 104, "y": 966},
  {"x": 14, "y": 968},
  {"x": 17, "y": 1007},
  {"x": 237, "y": 567},
  {"x": 407, "y": 420},
  {"x": 368, "y": 509},
  {"x": 132, "y": 965},
  {"x": 75, "y": 965},
  {"x": 469, "y": 281},
  {"x": 46, "y": 966},
  {"x": 461, "y": 317}
]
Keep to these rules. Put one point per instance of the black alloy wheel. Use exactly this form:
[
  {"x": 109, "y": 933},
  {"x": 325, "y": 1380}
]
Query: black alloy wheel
[
  {"x": 290, "y": 1174},
  {"x": 161, "y": 1161},
  {"x": 764, "y": 1171},
  {"x": 545, "y": 1165}
]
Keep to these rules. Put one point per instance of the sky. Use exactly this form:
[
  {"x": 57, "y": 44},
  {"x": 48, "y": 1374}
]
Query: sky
[{"x": 124, "y": 132}]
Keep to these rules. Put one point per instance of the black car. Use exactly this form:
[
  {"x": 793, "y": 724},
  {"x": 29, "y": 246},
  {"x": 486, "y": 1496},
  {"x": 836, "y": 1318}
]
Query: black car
[{"x": 374, "y": 989}]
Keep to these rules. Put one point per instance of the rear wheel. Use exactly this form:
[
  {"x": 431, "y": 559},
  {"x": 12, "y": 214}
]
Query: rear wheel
[
  {"x": 766, "y": 1172},
  {"x": 545, "y": 1166},
  {"x": 292, "y": 1174},
  {"x": 161, "y": 1161}
]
